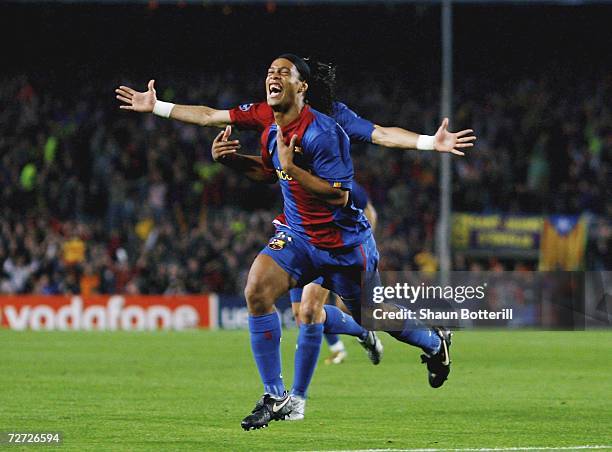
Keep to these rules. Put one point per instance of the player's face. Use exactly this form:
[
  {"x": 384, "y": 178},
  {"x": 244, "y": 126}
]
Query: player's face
[{"x": 283, "y": 84}]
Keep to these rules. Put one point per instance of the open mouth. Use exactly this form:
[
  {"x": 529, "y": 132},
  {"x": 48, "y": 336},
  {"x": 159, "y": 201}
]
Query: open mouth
[{"x": 275, "y": 90}]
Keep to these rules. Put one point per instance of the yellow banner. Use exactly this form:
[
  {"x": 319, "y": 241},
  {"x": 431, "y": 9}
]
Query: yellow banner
[{"x": 563, "y": 242}]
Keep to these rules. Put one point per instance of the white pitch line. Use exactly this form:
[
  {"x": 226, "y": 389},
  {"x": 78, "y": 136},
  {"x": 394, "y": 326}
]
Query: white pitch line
[{"x": 493, "y": 449}]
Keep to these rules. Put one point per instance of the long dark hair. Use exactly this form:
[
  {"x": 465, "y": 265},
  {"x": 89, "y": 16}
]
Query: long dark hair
[{"x": 321, "y": 86}]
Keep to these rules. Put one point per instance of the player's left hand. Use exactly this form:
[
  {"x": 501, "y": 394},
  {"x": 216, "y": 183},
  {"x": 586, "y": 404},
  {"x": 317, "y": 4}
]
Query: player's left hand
[
  {"x": 222, "y": 147},
  {"x": 453, "y": 142},
  {"x": 285, "y": 153}
]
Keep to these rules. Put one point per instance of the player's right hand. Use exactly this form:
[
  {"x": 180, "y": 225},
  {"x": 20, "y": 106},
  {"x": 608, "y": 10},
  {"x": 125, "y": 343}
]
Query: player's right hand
[
  {"x": 136, "y": 101},
  {"x": 222, "y": 147}
]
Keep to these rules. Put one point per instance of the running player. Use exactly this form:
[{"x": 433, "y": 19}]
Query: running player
[{"x": 320, "y": 232}]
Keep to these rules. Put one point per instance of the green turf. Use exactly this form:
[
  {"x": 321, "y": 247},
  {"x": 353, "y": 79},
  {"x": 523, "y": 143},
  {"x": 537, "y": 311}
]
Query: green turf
[{"x": 181, "y": 391}]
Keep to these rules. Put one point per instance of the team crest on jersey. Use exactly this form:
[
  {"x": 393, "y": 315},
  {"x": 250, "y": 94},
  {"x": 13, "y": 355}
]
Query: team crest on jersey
[
  {"x": 245, "y": 107},
  {"x": 276, "y": 244}
]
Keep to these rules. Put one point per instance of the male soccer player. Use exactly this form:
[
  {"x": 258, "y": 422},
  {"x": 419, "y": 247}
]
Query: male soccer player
[
  {"x": 139, "y": 102},
  {"x": 320, "y": 233}
]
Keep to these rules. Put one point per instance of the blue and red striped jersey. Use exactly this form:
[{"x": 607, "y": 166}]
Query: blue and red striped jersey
[{"x": 325, "y": 152}]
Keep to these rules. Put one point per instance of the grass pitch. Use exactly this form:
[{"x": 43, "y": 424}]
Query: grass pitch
[{"x": 189, "y": 391}]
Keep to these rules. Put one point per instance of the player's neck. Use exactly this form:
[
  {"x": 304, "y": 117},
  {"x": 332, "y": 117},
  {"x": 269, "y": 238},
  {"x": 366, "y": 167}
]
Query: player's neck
[{"x": 285, "y": 117}]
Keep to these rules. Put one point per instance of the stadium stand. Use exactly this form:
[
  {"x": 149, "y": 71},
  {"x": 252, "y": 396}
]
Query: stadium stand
[{"x": 96, "y": 200}]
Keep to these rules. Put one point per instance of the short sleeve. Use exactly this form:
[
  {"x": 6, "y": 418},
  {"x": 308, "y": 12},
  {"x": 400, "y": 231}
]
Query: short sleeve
[
  {"x": 252, "y": 116},
  {"x": 357, "y": 128},
  {"x": 330, "y": 154}
]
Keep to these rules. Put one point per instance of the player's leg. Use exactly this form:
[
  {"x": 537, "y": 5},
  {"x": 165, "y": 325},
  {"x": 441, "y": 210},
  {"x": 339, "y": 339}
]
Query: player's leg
[
  {"x": 309, "y": 316},
  {"x": 275, "y": 270},
  {"x": 307, "y": 301},
  {"x": 346, "y": 281},
  {"x": 309, "y": 340},
  {"x": 312, "y": 315},
  {"x": 314, "y": 310},
  {"x": 266, "y": 282},
  {"x": 434, "y": 342},
  {"x": 336, "y": 347},
  {"x": 342, "y": 271},
  {"x": 335, "y": 344},
  {"x": 319, "y": 295},
  {"x": 310, "y": 319}
]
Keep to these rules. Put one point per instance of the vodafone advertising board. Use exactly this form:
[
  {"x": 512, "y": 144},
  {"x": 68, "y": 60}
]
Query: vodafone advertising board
[{"x": 108, "y": 313}]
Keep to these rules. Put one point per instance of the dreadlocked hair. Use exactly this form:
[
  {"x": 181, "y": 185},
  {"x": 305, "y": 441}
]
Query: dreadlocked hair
[{"x": 321, "y": 86}]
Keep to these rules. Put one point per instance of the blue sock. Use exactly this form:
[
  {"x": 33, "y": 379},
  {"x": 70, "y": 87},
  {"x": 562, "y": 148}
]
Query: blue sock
[
  {"x": 265, "y": 343},
  {"x": 338, "y": 322},
  {"x": 306, "y": 356},
  {"x": 331, "y": 338},
  {"x": 419, "y": 336}
]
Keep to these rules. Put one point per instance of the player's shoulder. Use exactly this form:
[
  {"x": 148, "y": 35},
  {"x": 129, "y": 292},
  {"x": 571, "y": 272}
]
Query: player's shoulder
[
  {"x": 323, "y": 127},
  {"x": 339, "y": 108},
  {"x": 259, "y": 110}
]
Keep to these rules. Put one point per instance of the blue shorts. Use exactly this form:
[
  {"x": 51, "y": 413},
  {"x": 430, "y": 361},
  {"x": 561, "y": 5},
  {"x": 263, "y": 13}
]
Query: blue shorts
[{"x": 337, "y": 270}]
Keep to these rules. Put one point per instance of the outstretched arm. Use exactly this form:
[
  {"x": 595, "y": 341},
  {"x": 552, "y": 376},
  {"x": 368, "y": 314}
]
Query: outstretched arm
[
  {"x": 226, "y": 152},
  {"x": 442, "y": 141},
  {"x": 147, "y": 102}
]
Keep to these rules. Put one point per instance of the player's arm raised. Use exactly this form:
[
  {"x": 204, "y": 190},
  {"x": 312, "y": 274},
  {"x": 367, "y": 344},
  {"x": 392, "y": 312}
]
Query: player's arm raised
[
  {"x": 225, "y": 152},
  {"x": 147, "y": 102},
  {"x": 311, "y": 183},
  {"x": 442, "y": 141}
]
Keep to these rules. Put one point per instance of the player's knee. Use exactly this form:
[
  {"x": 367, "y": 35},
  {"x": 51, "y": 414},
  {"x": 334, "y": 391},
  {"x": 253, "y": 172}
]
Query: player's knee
[
  {"x": 259, "y": 298},
  {"x": 309, "y": 312}
]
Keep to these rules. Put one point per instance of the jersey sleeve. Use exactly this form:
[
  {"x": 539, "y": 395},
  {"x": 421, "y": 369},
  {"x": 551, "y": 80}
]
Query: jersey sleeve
[
  {"x": 357, "y": 128},
  {"x": 331, "y": 161},
  {"x": 252, "y": 116}
]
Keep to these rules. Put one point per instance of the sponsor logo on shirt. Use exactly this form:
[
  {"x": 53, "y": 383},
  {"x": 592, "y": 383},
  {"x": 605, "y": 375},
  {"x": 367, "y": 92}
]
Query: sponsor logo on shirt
[
  {"x": 283, "y": 175},
  {"x": 245, "y": 107}
]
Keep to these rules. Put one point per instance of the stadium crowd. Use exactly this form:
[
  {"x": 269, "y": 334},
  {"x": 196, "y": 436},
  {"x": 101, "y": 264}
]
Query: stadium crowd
[{"x": 97, "y": 200}]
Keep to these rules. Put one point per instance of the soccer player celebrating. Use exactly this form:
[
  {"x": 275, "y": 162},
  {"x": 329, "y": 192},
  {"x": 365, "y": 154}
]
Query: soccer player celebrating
[
  {"x": 317, "y": 223},
  {"x": 320, "y": 234}
]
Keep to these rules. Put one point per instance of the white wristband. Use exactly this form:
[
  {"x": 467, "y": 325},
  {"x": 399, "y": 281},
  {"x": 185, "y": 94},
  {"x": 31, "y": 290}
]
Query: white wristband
[
  {"x": 425, "y": 142},
  {"x": 162, "y": 109}
]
